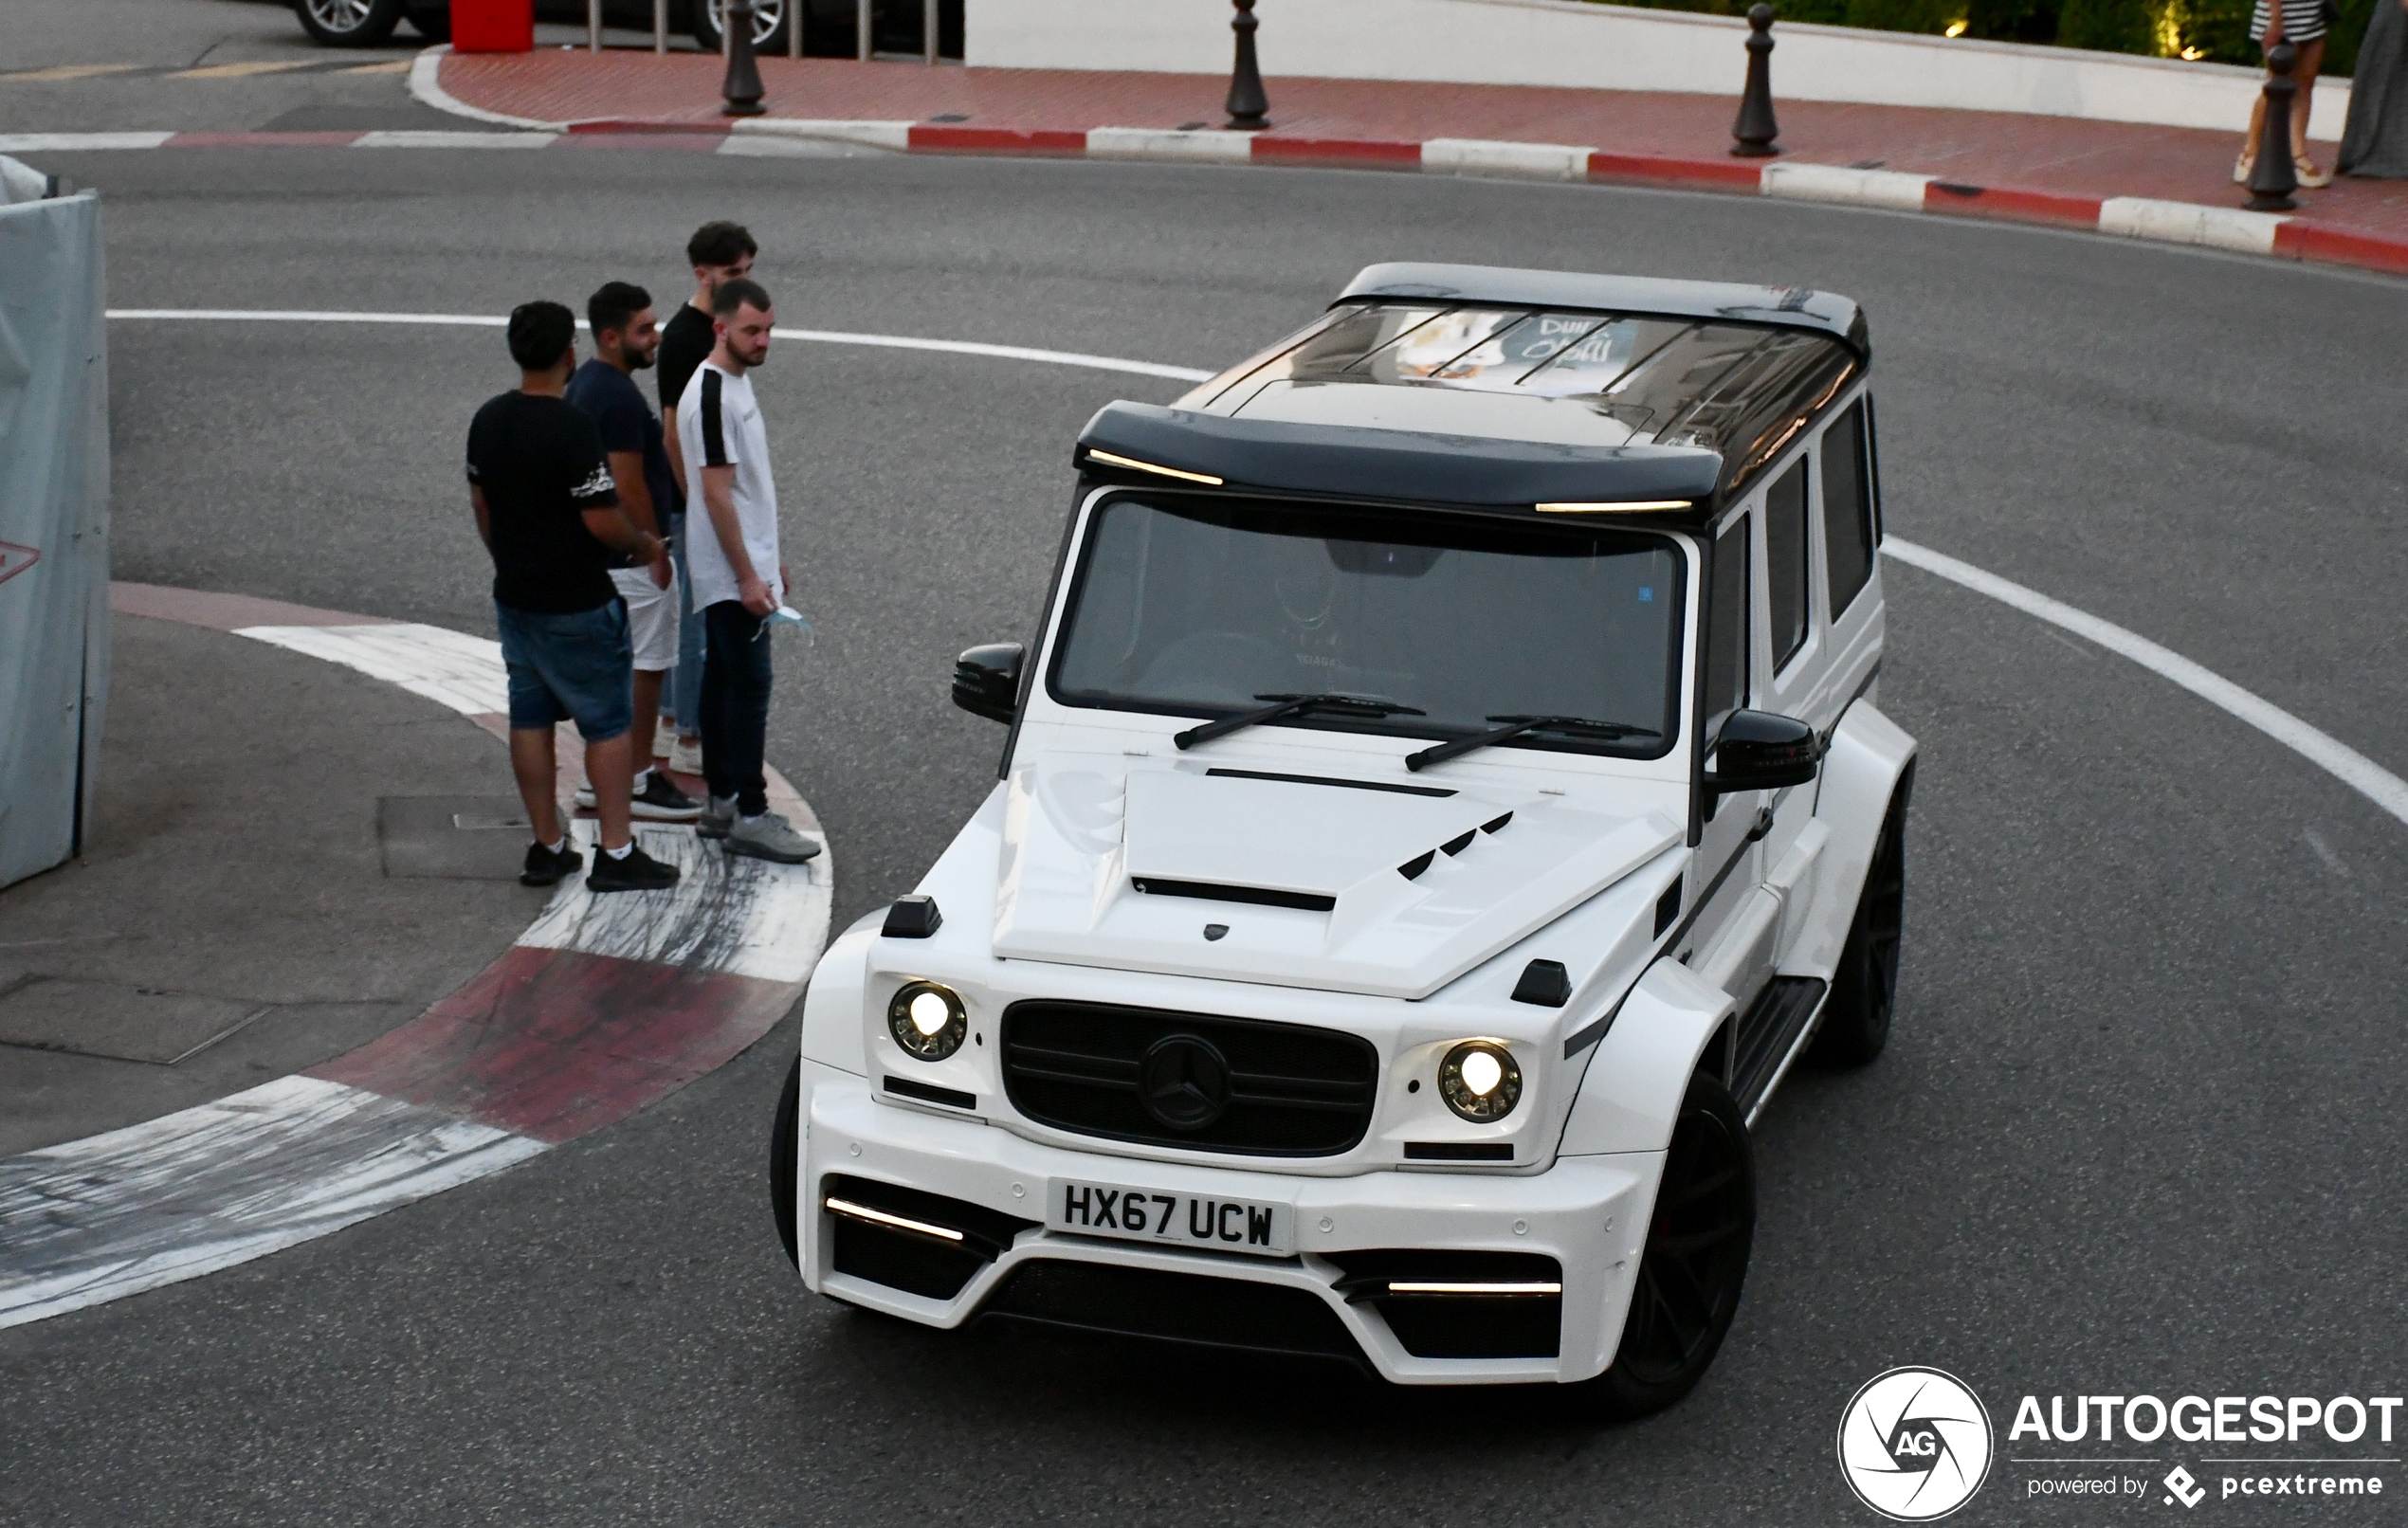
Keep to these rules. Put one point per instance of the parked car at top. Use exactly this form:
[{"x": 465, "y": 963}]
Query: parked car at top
[
  {"x": 830, "y": 27},
  {"x": 1447, "y": 795}
]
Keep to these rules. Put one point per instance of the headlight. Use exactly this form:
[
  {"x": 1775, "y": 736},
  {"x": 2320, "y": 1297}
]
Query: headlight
[
  {"x": 1480, "y": 1081},
  {"x": 929, "y": 1019}
]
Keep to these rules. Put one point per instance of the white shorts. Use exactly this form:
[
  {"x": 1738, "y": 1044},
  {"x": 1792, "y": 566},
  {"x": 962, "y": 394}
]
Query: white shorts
[{"x": 652, "y": 618}]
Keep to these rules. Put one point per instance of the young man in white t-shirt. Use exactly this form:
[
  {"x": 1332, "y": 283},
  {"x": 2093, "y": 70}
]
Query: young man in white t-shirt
[{"x": 731, "y": 512}]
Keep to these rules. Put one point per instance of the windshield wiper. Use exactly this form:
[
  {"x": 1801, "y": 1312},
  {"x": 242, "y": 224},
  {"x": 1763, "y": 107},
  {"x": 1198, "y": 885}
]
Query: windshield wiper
[
  {"x": 1333, "y": 702},
  {"x": 1518, "y": 726}
]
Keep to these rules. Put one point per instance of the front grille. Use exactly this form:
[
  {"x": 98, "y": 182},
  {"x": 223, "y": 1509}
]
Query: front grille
[
  {"x": 1290, "y": 1091},
  {"x": 912, "y": 1260},
  {"x": 1459, "y": 1325},
  {"x": 1174, "y": 1307}
]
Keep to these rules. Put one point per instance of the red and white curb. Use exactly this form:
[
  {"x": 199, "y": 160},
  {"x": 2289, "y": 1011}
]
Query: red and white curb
[
  {"x": 604, "y": 1005},
  {"x": 2132, "y": 217}
]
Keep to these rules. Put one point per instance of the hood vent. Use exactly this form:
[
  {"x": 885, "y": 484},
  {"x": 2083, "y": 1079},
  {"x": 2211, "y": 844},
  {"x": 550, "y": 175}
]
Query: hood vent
[
  {"x": 1257, "y": 896},
  {"x": 1412, "y": 868}
]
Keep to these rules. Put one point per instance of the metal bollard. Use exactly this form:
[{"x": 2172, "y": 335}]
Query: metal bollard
[
  {"x": 660, "y": 26},
  {"x": 743, "y": 87},
  {"x": 2273, "y": 179},
  {"x": 1247, "y": 104},
  {"x": 593, "y": 25},
  {"x": 1755, "y": 127}
]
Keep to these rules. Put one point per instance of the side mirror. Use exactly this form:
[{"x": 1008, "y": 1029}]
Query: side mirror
[
  {"x": 1758, "y": 750},
  {"x": 986, "y": 681}
]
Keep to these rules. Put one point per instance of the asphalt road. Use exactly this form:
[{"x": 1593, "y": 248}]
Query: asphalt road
[{"x": 2137, "y": 1131}]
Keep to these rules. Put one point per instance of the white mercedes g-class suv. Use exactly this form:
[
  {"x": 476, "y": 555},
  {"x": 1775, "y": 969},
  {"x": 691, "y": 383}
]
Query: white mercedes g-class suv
[{"x": 1446, "y": 797}]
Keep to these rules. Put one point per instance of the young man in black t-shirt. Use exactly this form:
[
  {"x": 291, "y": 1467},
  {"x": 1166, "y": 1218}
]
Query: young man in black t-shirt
[
  {"x": 719, "y": 253},
  {"x": 549, "y": 514}
]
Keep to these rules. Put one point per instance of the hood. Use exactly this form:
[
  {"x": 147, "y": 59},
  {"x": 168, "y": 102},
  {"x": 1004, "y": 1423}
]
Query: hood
[{"x": 1311, "y": 880}]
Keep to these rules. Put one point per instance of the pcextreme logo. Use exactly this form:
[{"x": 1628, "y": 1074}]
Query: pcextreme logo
[
  {"x": 16, "y": 559},
  {"x": 1915, "y": 1443}
]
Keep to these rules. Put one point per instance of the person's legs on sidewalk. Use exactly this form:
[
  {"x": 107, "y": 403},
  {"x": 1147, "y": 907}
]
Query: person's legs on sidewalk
[
  {"x": 736, "y": 689},
  {"x": 651, "y": 615},
  {"x": 580, "y": 666},
  {"x": 533, "y": 712},
  {"x": 685, "y": 683}
]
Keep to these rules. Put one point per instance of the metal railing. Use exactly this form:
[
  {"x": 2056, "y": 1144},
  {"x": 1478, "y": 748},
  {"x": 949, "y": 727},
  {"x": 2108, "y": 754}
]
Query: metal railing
[{"x": 931, "y": 26}]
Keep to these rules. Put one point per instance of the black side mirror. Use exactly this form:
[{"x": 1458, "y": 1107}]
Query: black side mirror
[
  {"x": 1758, "y": 750},
  {"x": 986, "y": 681}
]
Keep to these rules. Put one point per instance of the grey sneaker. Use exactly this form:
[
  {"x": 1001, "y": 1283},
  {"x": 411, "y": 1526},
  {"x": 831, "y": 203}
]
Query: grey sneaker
[
  {"x": 768, "y": 836},
  {"x": 719, "y": 815}
]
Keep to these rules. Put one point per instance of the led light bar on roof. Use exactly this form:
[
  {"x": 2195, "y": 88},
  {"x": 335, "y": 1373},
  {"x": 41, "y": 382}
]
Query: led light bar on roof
[
  {"x": 879, "y": 1217},
  {"x": 1111, "y": 460},
  {"x": 1619, "y": 506}
]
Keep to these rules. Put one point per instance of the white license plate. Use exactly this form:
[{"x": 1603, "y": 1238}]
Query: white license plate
[{"x": 1171, "y": 1219}]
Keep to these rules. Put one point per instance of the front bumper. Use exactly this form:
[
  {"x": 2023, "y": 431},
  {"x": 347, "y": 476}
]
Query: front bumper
[{"x": 1588, "y": 1213}]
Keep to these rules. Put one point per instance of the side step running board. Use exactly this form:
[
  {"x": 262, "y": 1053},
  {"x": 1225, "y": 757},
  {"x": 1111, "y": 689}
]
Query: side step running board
[{"x": 1769, "y": 1036}]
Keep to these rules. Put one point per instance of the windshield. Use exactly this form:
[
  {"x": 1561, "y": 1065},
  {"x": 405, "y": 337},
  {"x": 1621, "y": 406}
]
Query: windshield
[{"x": 1203, "y": 608}]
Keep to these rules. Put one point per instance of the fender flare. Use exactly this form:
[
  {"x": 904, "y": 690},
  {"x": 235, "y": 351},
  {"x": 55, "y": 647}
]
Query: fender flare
[
  {"x": 1632, "y": 1093},
  {"x": 832, "y": 1005},
  {"x": 1868, "y": 760}
]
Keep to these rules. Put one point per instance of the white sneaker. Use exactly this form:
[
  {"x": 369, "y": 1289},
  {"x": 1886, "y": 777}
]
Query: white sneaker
[{"x": 685, "y": 756}]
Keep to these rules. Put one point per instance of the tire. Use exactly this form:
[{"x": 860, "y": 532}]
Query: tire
[
  {"x": 433, "y": 23},
  {"x": 785, "y": 1149},
  {"x": 1864, "y": 988},
  {"x": 1698, "y": 1237},
  {"x": 770, "y": 20},
  {"x": 349, "y": 23}
]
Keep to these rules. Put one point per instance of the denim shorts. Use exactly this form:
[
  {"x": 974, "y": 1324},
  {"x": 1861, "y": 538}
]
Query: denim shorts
[{"x": 569, "y": 668}]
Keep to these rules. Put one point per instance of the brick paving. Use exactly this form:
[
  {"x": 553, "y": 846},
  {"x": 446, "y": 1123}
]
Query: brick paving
[{"x": 2053, "y": 156}]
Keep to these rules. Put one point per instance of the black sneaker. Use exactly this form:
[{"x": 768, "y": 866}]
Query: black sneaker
[
  {"x": 638, "y": 871},
  {"x": 661, "y": 802},
  {"x": 546, "y": 866}
]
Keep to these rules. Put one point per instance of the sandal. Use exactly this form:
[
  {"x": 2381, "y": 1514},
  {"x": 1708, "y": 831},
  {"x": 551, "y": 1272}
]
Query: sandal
[
  {"x": 2243, "y": 169},
  {"x": 2310, "y": 179}
]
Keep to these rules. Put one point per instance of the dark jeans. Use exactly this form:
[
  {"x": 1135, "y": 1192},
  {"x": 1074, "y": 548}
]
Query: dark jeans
[{"x": 736, "y": 704}]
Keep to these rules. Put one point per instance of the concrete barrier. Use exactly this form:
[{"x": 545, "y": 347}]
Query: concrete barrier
[
  {"x": 54, "y": 521},
  {"x": 1568, "y": 43}
]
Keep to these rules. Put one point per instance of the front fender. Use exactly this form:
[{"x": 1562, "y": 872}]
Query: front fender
[
  {"x": 1868, "y": 757},
  {"x": 831, "y": 1007},
  {"x": 1632, "y": 1092}
]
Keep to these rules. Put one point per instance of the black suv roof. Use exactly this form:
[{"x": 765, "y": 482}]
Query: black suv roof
[{"x": 1526, "y": 392}]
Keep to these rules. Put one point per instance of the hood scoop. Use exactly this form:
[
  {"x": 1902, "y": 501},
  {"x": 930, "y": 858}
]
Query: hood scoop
[{"x": 1314, "y": 882}]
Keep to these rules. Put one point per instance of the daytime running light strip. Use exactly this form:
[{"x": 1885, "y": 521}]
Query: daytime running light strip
[
  {"x": 1110, "y": 460},
  {"x": 1429, "y": 1288},
  {"x": 1627, "y": 506},
  {"x": 879, "y": 1217}
]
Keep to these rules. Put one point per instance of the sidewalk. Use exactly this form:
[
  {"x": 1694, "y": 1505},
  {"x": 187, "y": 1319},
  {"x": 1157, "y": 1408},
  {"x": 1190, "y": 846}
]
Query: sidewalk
[
  {"x": 2054, "y": 168},
  {"x": 245, "y": 909}
]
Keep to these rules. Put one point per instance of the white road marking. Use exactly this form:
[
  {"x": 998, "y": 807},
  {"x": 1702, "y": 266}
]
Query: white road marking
[
  {"x": 2324, "y": 851},
  {"x": 78, "y": 142},
  {"x": 206, "y": 1187},
  {"x": 2353, "y": 769},
  {"x": 451, "y": 669},
  {"x": 778, "y": 938},
  {"x": 2337, "y": 758},
  {"x": 817, "y": 336}
]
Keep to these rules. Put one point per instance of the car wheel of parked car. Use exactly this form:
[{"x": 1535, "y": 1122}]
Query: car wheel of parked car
[
  {"x": 768, "y": 24},
  {"x": 349, "y": 23},
  {"x": 433, "y": 23},
  {"x": 785, "y": 1144},
  {"x": 1864, "y": 989},
  {"x": 1688, "y": 1280}
]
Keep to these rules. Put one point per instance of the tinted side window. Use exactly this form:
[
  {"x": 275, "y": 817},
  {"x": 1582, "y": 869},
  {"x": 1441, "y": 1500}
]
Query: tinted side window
[
  {"x": 1847, "y": 510},
  {"x": 1785, "y": 582},
  {"x": 1726, "y": 627}
]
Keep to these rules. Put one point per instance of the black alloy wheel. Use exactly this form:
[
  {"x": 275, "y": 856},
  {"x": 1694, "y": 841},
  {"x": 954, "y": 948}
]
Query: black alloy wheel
[
  {"x": 770, "y": 20},
  {"x": 349, "y": 23},
  {"x": 1688, "y": 1280},
  {"x": 1864, "y": 989},
  {"x": 785, "y": 1148}
]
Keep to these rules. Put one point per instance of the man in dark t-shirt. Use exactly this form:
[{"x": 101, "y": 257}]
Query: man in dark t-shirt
[
  {"x": 619, "y": 316},
  {"x": 549, "y": 514},
  {"x": 719, "y": 253}
]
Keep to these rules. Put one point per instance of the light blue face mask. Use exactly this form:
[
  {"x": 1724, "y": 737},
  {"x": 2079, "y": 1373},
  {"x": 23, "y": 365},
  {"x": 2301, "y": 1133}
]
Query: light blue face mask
[{"x": 789, "y": 617}]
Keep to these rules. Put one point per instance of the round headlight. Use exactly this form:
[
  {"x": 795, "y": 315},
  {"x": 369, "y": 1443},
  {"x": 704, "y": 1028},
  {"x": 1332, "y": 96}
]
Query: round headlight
[
  {"x": 928, "y": 1019},
  {"x": 1480, "y": 1081}
]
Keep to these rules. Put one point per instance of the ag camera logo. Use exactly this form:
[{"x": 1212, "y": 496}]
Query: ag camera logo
[{"x": 1915, "y": 1443}]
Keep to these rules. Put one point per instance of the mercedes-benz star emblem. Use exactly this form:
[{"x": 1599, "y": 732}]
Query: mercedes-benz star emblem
[{"x": 1183, "y": 1081}]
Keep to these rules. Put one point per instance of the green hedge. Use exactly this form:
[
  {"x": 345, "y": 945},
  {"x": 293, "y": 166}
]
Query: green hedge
[{"x": 2215, "y": 29}]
